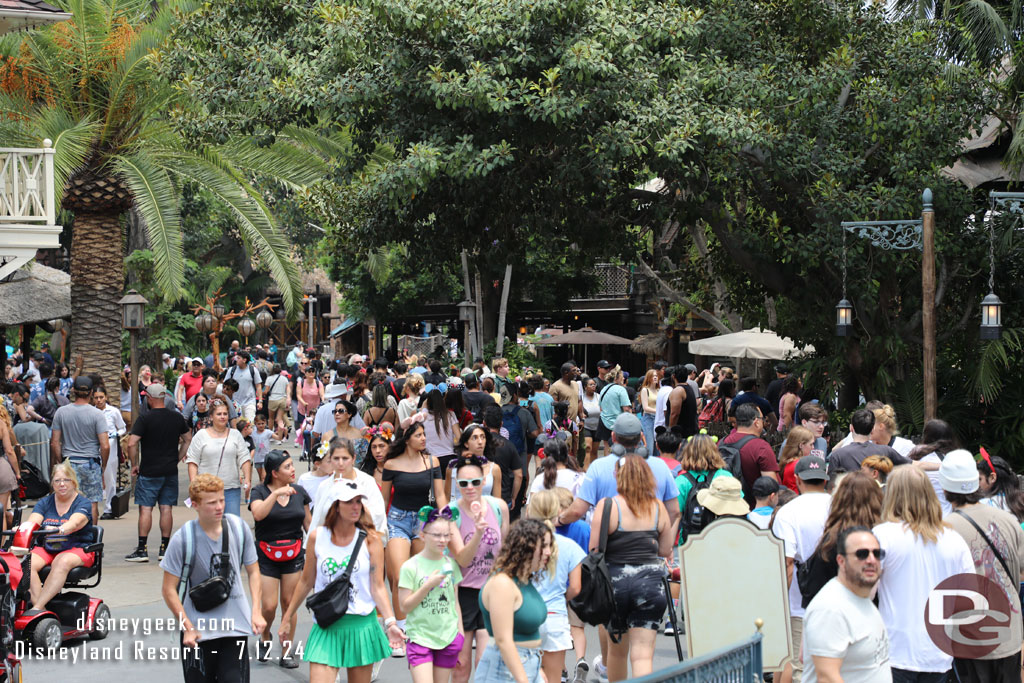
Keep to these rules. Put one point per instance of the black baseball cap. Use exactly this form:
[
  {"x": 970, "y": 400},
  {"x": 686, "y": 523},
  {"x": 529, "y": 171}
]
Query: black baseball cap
[
  {"x": 82, "y": 382},
  {"x": 603, "y": 364}
]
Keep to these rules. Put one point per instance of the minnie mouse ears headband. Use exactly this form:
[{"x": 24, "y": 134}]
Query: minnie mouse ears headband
[
  {"x": 428, "y": 514},
  {"x": 477, "y": 460}
]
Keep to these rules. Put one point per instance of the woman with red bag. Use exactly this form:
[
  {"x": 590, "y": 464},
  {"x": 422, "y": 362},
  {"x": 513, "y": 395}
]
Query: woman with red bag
[{"x": 280, "y": 508}]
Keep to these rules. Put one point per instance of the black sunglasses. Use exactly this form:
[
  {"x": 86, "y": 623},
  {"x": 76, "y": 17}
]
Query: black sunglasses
[{"x": 863, "y": 553}]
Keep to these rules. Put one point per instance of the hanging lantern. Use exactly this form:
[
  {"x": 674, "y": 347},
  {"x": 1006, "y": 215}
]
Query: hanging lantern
[
  {"x": 246, "y": 326},
  {"x": 844, "y": 318},
  {"x": 280, "y": 314},
  {"x": 991, "y": 316},
  {"x": 207, "y": 321},
  {"x": 218, "y": 310},
  {"x": 200, "y": 323},
  {"x": 264, "y": 319}
]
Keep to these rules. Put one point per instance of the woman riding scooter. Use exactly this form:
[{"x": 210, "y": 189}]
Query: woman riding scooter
[{"x": 71, "y": 513}]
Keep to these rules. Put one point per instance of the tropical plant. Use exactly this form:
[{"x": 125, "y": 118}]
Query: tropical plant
[{"x": 91, "y": 85}]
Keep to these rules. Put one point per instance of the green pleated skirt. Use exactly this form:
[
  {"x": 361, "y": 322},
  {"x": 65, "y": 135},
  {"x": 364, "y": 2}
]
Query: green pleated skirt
[{"x": 353, "y": 640}]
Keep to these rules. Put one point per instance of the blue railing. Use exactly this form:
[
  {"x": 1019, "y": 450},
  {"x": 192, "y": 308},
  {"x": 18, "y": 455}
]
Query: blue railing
[{"x": 740, "y": 663}]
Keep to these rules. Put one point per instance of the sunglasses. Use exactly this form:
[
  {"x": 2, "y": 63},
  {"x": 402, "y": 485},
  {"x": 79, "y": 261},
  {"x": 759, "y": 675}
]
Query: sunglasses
[
  {"x": 463, "y": 483},
  {"x": 863, "y": 553}
]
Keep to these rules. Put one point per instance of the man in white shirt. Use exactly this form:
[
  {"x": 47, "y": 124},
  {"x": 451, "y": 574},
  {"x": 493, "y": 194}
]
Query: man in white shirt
[
  {"x": 845, "y": 639},
  {"x": 800, "y": 524},
  {"x": 249, "y": 396}
]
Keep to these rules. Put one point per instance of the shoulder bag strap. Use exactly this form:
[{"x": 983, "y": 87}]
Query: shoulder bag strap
[
  {"x": 225, "y": 537},
  {"x": 186, "y": 567},
  {"x": 743, "y": 442},
  {"x": 221, "y": 460},
  {"x": 604, "y": 524},
  {"x": 999, "y": 555}
]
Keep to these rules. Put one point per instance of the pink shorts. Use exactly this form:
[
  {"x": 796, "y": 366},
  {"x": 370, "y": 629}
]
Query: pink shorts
[
  {"x": 87, "y": 558},
  {"x": 445, "y": 658}
]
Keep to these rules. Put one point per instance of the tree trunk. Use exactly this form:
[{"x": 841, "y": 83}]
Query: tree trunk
[{"x": 97, "y": 279}]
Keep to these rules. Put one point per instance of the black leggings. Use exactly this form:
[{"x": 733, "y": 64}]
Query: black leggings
[{"x": 221, "y": 660}]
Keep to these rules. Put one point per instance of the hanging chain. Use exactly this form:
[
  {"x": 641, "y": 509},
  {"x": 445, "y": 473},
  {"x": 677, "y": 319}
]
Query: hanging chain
[
  {"x": 844, "y": 263},
  {"x": 992, "y": 251}
]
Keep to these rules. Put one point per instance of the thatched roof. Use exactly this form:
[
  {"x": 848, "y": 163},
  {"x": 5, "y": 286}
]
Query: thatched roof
[
  {"x": 310, "y": 279},
  {"x": 33, "y": 294},
  {"x": 653, "y": 344}
]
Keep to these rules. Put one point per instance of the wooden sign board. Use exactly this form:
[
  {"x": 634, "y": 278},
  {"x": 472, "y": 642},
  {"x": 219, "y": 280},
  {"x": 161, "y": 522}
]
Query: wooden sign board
[{"x": 732, "y": 574}]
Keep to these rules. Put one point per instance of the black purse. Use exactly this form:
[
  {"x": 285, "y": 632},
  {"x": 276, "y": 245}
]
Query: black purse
[
  {"x": 331, "y": 603},
  {"x": 216, "y": 590}
]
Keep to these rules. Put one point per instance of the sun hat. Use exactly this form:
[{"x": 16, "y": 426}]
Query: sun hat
[
  {"x": 724, "y": 497},
  {"x": 958, "y": 472}
]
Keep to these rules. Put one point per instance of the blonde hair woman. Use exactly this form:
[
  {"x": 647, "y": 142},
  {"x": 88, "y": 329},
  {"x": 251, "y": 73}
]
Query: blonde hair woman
[
  {"x": 799, "y": 443},
  {"x": 410, "y": 405},
  {"x": 556, "y": 587},
  {"x": 920, "y": 551},
  {"x": 649, "y": 406},
  {"x": 886, "y": 431}
]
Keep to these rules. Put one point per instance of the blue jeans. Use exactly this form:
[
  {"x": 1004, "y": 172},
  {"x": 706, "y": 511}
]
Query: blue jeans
[
  {"x": 492, "y": 667},
  {"x": 647, "y": 424},
  {"x": 233, "y": 501}
]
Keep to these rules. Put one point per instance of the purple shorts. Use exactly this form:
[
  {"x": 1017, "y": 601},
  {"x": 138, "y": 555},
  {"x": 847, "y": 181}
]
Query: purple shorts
[{"x": 445, "y": 658}]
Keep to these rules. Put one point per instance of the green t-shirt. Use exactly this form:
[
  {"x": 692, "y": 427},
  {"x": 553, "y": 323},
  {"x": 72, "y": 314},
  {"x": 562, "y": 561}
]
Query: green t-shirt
[
  {"x": 434, "y": 623},
  {"x": 684, "y": 486}
]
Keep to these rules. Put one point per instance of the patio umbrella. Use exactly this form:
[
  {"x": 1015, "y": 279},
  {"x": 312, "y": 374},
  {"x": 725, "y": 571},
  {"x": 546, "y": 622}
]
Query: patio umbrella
[
  {"x": 752, "y": 343},
  {"x": 585, "y": 336}
]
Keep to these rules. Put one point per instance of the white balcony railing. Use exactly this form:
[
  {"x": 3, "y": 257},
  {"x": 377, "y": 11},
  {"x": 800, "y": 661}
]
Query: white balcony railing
[{"x": 28, "y": 205}]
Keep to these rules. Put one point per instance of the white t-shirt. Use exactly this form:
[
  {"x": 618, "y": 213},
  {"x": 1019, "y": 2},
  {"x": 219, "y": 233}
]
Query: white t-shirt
[
  {"x": 659, "y": 411},
  {"x": 311, "y": 482},
  {"x": 566, "y": 479},
  {"x": 912, "y": 568},
  {"x": 249, "y": 384},
  {"x": 933, "y": 477},
  {"x": 799, "y": 525},
  {"x": 842, "y": 625}
]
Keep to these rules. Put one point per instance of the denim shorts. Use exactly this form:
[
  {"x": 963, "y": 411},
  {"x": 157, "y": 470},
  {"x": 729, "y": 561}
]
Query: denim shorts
[
  {"x": 492, "y": 666},
  {"x": 403, "y": 524},
  {"x": 153, "y": 491},
  {"x": 90, "y": 477}
]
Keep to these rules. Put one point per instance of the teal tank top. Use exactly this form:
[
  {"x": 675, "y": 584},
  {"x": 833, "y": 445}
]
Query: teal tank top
[{"x": 527, "y": 619}]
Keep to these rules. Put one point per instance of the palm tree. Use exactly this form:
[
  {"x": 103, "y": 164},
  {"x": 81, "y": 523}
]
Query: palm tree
[{"x": 91, "y": 85}]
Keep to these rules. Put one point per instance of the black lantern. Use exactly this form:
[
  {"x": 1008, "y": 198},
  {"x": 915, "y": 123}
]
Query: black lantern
[
  {"x": 133, "y": 310},
  {"x": 991, "y": 316},
  {"x": 218, "y": 310},
  {"x": 844, "y": 318},
  {"x": 264, "y": 320}
]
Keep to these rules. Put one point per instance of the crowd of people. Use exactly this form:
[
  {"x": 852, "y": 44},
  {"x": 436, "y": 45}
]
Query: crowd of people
[{"x": 457, "y": 512}]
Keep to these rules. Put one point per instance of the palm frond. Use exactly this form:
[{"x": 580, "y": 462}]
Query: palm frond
[
  {"x": 292, "y": 166},
  {"x": 984, "y": 30},
  {"x": 996, "y": 358},
  {"x": 72, "y": 142},
  {"x": 253, "y": 217},
  {"x": 333, "y": 146},
  {"x": 156, "y": 198}
]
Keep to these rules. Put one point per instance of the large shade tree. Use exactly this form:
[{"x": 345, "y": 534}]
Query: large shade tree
[{"x": 91, "y": 85}]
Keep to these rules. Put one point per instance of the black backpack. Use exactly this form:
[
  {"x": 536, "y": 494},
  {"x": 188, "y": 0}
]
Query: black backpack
[
  {"x": 731, "y": 455},
  {"x": 693, "y": 511},
  {"x": 595, "y": 603}
]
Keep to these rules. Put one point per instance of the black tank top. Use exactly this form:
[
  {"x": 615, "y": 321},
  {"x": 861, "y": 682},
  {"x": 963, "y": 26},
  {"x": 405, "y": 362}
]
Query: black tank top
[{"x": 633, "y": 547}]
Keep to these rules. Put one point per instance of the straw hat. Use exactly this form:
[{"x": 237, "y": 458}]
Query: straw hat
[{"x": 724, "y": 497}]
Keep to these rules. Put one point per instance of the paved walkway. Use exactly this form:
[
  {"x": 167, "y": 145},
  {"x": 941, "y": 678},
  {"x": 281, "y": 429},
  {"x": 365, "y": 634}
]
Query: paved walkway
[{"x": 142, "y": 642}]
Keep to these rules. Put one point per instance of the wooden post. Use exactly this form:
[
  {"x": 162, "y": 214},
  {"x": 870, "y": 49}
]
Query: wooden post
[
  {"x": 500, "y": 342},
  {"x": 478, "y": 323},
  {"x": 215, "y": 344},
  {"x": 928, "y": 303},
  {"x": 133, "y": 337}
]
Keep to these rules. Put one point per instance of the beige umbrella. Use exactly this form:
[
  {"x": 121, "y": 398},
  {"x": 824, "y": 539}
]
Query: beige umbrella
[
  {"x": 586, "y": 336},
  {"x": 752, "y": 343}
]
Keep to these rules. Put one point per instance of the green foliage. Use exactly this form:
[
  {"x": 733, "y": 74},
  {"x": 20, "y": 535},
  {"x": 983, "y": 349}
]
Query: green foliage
[{"x": 521, "y": 361}]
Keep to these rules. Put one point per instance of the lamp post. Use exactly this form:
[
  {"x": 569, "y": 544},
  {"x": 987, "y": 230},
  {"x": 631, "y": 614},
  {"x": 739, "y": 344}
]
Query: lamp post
[
  {"x": 211, "y": 318},
  {"x": 905, "y": 235},
  {"x": 133, "y": 319}
]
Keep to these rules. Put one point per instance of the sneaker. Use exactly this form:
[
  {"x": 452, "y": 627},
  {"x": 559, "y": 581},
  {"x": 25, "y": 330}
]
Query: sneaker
[
  {"x": 398, "y": 651},
  {"x": 670, "y": 629},
  {"x": 600, "y": 669},
  {"x": 582, "y": 669},
  {"x": 138, "y": 555},
  {"x": 289, "y": 662},
  {"x": 163, "y": 549}
]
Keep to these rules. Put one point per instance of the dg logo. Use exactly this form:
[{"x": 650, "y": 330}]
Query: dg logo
[{"x": 968, "y": 616}]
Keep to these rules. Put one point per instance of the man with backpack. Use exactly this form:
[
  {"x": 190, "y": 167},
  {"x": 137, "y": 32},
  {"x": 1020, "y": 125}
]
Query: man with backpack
[
  {"x": 474, "y": 399},
  {"x": 799, "y": 524},
  {"x": 522, "y": 429},
  {"x": 249, "y": 395},
  {"x": 215, "y": 547},
  {"x": 747, "y": 456}
]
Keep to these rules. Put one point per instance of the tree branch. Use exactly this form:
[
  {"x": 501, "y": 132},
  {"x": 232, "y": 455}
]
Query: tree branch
[{"x": 678, "y": 298}]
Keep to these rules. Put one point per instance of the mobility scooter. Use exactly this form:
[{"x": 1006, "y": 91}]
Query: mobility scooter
[{"x": 69, "y": 615}]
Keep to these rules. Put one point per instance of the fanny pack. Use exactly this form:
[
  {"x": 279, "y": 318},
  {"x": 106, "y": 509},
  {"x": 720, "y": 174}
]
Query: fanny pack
[{"x": 281, "y": 551}]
